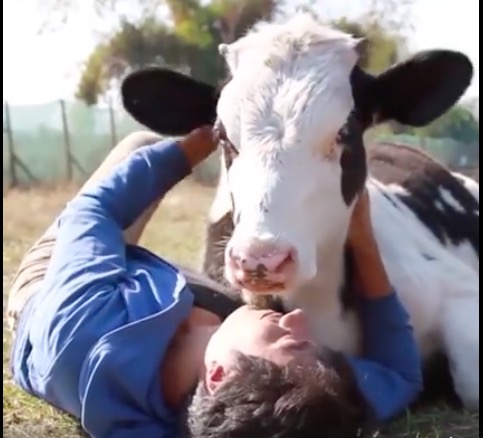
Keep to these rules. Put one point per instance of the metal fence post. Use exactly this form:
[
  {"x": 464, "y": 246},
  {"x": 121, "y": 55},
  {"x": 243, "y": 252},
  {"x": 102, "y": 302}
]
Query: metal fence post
[
  {"x": 67, "y": 145},
  {"x": 11, "y": 147}
]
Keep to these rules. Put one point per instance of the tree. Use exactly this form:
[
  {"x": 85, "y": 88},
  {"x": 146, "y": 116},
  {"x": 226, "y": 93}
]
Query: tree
[
  {"x": 381, "y": 48},
  {"x": 385, "y": 25},
  {"x": 458, "y": 123},
  {"x": 190, "y": 43},
  {"x": 473, "y": 105}
]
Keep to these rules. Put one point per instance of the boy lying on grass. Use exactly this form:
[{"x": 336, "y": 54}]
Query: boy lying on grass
[{"x": 108, "y": 331}]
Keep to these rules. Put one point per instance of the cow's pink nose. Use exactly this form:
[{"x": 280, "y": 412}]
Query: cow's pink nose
[{"x": 261, "y": 263}]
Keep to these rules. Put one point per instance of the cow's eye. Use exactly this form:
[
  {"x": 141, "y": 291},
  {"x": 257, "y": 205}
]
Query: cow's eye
[
  {"x": 229, "y": 151},
  {"x": 219, "y": 131}
]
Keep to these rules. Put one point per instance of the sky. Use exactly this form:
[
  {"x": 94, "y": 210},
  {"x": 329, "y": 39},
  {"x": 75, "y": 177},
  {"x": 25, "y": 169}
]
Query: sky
[{"x": 44, "y": 68}]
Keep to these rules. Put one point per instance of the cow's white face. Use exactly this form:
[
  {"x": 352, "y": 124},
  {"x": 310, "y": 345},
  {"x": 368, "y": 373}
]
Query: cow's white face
[
  {"x": 295, "y": 111},
  {"x": 289, "y": 96}
]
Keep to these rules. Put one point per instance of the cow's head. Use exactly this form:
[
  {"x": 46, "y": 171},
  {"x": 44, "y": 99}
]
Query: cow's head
[{"x": 291, "y": 121}]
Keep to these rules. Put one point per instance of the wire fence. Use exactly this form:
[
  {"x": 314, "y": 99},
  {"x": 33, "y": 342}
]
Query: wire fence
[
  {"x": 66, "y": 141},
  {"x": 58, "y": 141}
]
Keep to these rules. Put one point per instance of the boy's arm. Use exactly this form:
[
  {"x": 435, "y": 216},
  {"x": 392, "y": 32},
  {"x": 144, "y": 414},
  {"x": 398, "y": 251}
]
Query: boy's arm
[
  {"x": 389, "y": 374},
  {"x": 90, "y": 245}
]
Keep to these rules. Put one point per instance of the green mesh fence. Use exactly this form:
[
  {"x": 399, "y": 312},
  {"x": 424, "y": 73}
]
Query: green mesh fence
[{"x": 38, "y": 135}]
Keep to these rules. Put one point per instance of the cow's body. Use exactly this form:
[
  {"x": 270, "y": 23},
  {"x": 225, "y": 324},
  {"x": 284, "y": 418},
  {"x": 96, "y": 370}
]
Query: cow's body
[
  {"x": 426, "y": 223},
  {"x": 291, "y": 123}
]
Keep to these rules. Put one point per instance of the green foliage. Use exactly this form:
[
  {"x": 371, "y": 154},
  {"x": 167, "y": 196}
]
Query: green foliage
[
  {"x": 133, "y": 46},
  {"x": 453, "y": 138},
  {"x": 458, "y": 123},
  {"x": 91, "y": 83},
  {"x": 190, "y": 44},
  {"x": 380, "y": 49}
]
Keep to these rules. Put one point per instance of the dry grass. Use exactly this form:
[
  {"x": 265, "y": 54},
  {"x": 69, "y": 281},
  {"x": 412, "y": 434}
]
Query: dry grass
[{"x": 175, "y": 232}]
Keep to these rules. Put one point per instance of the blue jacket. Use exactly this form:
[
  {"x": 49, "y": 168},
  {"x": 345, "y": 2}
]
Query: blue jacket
[{"x": 91, "y": 342}]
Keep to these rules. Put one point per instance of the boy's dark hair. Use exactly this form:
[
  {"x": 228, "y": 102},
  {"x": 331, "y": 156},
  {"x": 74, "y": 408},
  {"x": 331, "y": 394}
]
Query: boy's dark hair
[{"x": 265, "y": 400}]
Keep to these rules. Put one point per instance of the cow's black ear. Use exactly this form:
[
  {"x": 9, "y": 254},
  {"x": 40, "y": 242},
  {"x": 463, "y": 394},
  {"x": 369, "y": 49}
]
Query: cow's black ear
[
  {"x": 420, "y": 89},
  {"x": 168, "y": 102}
]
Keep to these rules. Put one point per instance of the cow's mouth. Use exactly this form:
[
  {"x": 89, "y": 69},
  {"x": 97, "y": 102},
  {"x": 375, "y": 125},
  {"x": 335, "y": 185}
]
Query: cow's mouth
[
  {"x": 260, "y": 279},
  {"x": 262, "y": 286},
  {"x": 252, "y": 282}
]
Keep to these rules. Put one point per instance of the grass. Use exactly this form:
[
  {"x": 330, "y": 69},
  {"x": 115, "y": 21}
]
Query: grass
[{"x": 176, "y": 232}]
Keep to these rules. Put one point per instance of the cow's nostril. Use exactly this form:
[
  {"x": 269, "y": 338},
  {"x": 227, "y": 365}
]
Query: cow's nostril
[
  {"x": 289, "y": 259},
  {"x": 239, "y": 261}
]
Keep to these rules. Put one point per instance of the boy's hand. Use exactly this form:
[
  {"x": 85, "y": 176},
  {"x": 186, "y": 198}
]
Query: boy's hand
[{"x": 198, "y": 144}]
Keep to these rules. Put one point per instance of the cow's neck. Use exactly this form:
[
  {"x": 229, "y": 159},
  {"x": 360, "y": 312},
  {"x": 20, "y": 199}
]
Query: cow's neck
[
  {"x": 330, "y": 324},
  {"x": 323, "y": 291}
]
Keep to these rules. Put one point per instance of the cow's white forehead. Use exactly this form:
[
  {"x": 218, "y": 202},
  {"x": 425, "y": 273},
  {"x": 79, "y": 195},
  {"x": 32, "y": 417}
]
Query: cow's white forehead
[
  {"x": 287, "y": 78},
  {"x": 271, "y": 42}
]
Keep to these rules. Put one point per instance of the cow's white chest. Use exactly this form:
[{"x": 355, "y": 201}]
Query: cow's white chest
[
  {"x": 336, "y": 331},
  {"x": 329, "y": 325},
  {"x": 422, "y": 284},
  {"x": 423, "y": 272}
]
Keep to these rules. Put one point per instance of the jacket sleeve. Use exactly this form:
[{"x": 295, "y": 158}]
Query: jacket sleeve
[
  {"x": 121, "y": 393},
  {"x": 389, "y": 374},
  {"x": 90, "y": 244}
]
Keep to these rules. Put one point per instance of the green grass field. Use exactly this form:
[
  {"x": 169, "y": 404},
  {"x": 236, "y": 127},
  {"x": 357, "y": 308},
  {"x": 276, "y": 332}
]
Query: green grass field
[{"x": 175, "y": 232}]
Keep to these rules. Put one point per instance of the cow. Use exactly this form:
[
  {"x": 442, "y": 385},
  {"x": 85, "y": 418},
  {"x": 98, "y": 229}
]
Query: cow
[
  {"x": 470, "y": 183},
  {"x": 291, "y": 120}
]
